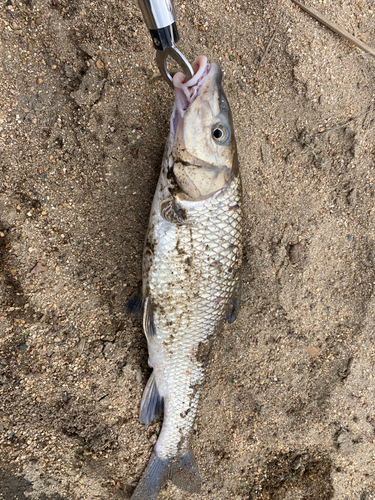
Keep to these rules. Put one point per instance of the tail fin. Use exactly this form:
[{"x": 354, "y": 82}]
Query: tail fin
[
  {"x": 153, "y": 479},
  {"x": 181, "y": 470},
  {"x": 184, "y": 473}
]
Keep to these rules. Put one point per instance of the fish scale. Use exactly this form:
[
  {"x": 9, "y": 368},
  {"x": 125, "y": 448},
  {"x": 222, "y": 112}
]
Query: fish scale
[{"x": 194, "y": 302}]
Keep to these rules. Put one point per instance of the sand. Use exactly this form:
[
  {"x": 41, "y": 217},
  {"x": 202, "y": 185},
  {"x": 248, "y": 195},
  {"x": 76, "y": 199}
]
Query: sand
[{"x": 287, "y": 411}]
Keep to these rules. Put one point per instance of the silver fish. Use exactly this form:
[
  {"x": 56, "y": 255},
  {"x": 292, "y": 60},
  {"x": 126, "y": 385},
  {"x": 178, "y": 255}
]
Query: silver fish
[{"x": 191, "y": 265}]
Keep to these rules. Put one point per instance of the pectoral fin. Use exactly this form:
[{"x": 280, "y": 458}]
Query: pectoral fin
[
  {"x": 232, "y": 314},
  {"x": 235, "y": 303},
  {"x": 134, "y": 304},
  {"x": 171, "y": 212}
]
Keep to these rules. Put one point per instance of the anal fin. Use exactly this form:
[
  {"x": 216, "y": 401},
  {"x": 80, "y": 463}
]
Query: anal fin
[{"x": 152, "y": 403}]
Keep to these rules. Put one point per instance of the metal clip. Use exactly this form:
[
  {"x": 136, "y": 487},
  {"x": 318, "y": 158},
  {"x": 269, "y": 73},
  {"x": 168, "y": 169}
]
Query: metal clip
[
  {"x": 176, "y": 55},
  {"x": 160, "y": 20}
]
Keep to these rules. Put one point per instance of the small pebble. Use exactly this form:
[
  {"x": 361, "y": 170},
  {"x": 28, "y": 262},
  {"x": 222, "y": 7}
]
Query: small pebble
[
  {"x": 81, "y": 346},
  {"x": 153, "y": 439},
  {"x": 39, "y": 268},
  {"x": 313, "y": 350}
]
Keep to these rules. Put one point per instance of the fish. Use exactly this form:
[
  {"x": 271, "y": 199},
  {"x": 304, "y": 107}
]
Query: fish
[{"x": 190, "y": 269}]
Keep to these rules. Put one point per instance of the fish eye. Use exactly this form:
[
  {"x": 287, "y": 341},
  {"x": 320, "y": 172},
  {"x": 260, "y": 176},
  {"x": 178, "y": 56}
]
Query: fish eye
[{"x": 220, "y": 133}]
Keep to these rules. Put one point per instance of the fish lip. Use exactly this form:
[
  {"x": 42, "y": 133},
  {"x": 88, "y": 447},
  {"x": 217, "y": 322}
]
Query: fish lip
[{"x": 186, "y": 95}]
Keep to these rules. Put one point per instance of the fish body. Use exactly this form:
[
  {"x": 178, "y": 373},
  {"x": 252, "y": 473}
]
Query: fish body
[{"x": 191, "y": 265}]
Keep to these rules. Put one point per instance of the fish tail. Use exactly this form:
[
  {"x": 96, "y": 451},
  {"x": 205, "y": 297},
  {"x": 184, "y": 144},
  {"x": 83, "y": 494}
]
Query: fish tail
[
  {"x": 182, "y": 470},
  {"x": 153, "y": 479}
]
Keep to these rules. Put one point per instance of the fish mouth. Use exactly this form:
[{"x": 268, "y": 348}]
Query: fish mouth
[{"x": 187, "y": 91}]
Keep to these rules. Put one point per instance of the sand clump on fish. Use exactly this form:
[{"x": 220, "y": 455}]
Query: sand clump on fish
[{"x": 191, "y": 269}]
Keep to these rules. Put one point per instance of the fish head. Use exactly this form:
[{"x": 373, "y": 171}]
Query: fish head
[{"x": 204, "y": 149}]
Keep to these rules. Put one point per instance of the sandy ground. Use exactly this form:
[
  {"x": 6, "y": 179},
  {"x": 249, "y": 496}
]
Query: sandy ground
[{"x": 287, "y": 411}]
